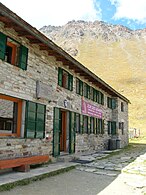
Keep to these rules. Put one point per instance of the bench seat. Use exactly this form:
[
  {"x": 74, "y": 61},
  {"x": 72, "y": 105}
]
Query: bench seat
[{"x": 23, "y": 163}]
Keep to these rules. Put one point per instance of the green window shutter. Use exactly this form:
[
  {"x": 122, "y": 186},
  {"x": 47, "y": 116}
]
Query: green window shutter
[
  {"x": 85, "y": 90},
  {"x": 81, "y": 124},
  {"x": 30, "y": 119},
  {"x": 108, "y": 102},
  {"x": 88, "y": 91},
  {"x": 77, "y": 86},
  {"x": 81, "y": 87},
  {"x": 97, "y": 94},
  {"x": 70, "y": 82},
  {"x": 78, "y": 123},
  {"x": 113, "y": 128},
  {"x": 102, "y": 126},
  {"x": 3, "y": 40},
  {"x": 23, "y": 57},
  {"x": 109, "y": 127},
  {"x": 94, "y": 95},
  {"x": 102, "y": 98},
  {"x": 113, "y": 103},
  {"x": 60, "y": 73},
  {"x": 88, "y": 125},
  {"x": 56, "y": 131},
  {"x": 40, "y": 121},
  {"x": 72, "y": 127},
  {"x": 99, "y": 126}
]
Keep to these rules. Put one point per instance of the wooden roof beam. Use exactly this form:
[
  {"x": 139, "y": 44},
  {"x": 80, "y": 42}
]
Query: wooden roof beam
[
  {"x": 34, "y": 41},
  {"x": 23, "y": 33}
]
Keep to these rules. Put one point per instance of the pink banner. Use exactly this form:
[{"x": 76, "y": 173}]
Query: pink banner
[{"x": 91, "y": 110}]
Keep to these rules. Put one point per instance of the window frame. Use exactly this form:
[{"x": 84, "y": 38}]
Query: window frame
[
  {"x": 19, "y": 115},
  {"x": 79, "y": 86},
  {"x": 21, "y": 56},
  {"x": 69, "y": 79}
]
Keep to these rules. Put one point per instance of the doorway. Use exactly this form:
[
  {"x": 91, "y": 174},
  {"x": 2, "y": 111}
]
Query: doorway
[{"x": 63, "y": 132}]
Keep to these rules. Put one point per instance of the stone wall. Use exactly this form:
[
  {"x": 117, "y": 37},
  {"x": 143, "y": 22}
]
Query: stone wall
[
  {"x": 16, "y": 147},
  {"x": 22, "y": 84}
]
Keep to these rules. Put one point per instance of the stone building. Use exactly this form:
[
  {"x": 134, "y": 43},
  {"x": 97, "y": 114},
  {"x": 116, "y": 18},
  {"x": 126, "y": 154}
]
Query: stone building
[{"x": 49, "y": 102}]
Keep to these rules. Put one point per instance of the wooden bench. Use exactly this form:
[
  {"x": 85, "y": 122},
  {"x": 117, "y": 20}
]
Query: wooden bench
[{"x": 23, "y": 163}]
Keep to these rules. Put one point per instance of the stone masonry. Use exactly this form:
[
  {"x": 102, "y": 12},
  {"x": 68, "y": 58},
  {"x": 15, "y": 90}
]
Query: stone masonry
[{"x": 21, "y": 84}]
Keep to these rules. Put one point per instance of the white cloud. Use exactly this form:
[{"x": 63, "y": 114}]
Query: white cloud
[
  {"x": 130, "y": 9},
  {"x": 54, "y": 12}
]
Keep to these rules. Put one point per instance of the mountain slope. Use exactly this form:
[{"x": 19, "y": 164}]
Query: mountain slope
[{"x": 113, "y": 52}]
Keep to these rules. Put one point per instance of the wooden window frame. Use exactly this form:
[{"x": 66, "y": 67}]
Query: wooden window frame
[
  {"x": 14, "y": 49},
  {"x": 19, "y": 115}
]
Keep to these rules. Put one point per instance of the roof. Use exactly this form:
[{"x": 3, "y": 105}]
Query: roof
[{"x": 11, "y": 20}]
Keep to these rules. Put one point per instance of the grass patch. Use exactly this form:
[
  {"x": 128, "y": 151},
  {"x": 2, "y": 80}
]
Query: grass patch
[
  {"x": 27, "y": 181},
  {"x": 114, "y": 153},
  {"x": 139, "y": 140}
]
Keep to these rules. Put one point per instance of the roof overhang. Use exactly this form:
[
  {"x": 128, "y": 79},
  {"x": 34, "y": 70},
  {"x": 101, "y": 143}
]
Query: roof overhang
[{"x": 11, "y": 20}]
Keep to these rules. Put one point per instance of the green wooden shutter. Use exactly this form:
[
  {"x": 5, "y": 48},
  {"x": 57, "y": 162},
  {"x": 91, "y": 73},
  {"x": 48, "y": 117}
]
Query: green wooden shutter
[
  {"x": 88, "y": 91},
  {"x": 23, "y": 57},
  {"x": 30, "y": 120},
  {"x": 40, "y": 121},
  {"x": 102, "y": 126},
  {"x": 81, "y": 124},
  {"x": 81, "y": 87},
  {"x": 70, "y": 82},
  {"x": 56, "y": 131},
  {"x": 3, "y": 40},
  {"x": 72, "y": 127},
  {"x": 113, "y": 127},
  {"x": 113, "y": 103},
  {"x": 109, "y": 127},
  {"x": 94, "y": 95},
  {"x": 102, "y": 98},
  {"x": 60, "y": 74}
]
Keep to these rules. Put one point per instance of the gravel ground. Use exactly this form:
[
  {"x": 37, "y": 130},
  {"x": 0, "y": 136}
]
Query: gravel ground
[
  {"x": 89, "y": 181},
  {"x": 77, "y": 183}
]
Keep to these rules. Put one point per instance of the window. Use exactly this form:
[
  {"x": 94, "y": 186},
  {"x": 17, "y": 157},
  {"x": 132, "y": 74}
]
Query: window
[
  {"x": 91, "y": 93},
  {"x": 111, "y": 103},
  {"x": 79, "y": 86},
  {"x": 92, "y": 125},
  {"x": 100, "y": 97},
  {"x": 121, "y": 126},
  {"x": 111, "y": 127},
  {"x": 100, "y": 126},
  {"x": 13, "y": 52},
  {"x": 78, "y": 123},
  {"x": 85, "y": 124},
  {"x": 35, "y": 120},
  {"x": 86, "y": 90},
  {"x": 10, "y": 116},
  {"x": 95, "y": 95},
  {"x": 122, "y": 107},
  {"x": 65, "y": 79}
]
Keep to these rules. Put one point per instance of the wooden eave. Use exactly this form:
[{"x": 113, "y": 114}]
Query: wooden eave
[{"x": 11, "y": 20}]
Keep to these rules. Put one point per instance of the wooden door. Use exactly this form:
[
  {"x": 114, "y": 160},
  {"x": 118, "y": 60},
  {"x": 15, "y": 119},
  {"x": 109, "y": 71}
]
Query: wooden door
[{"x": 63, "y": 131}]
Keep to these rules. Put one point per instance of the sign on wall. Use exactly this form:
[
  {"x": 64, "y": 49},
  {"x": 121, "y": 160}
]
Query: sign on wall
[
  {"x": 91, "y": 110},
  {"x": 43, "y": 90}
]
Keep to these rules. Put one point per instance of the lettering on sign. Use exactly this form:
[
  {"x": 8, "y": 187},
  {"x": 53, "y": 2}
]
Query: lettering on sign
[{"x": 91, "y": 110}]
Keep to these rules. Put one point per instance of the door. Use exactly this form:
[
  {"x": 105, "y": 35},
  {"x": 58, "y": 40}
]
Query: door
[{"x": 63, "y": 131}]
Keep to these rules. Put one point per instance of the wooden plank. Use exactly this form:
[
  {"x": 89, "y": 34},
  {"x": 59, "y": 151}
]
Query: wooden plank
[{"x": 5, "y": 164}]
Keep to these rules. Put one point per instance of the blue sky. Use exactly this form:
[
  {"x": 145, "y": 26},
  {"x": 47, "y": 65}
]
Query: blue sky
[{"x": 130, "y": 13}]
